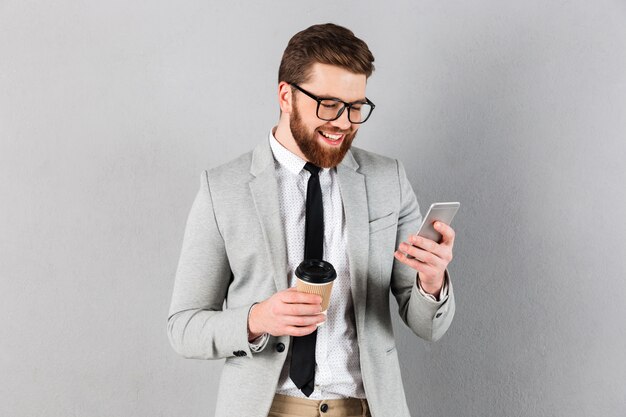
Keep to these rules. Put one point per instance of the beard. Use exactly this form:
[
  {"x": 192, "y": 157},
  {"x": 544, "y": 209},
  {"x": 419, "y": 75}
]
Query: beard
[{"x": 310, "y": 146}]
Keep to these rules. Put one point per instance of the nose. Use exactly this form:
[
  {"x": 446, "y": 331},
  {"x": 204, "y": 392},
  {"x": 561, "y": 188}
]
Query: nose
[{"x": 342, "y": 122}]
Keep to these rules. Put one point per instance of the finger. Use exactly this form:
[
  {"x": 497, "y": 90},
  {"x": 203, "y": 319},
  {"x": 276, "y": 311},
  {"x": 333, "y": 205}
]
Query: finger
[
  {"x": 300, "y": 331},
  {"x": 426, "y": 271},
  {"x": 447, "y": 233},
  {"x": 301, "y": 309},
  {"x": 412, "y": 263},
  {"x": 443, "y": 252},
  {"x": 429, "y": 246},
  {"x": 423, "y": 256},
  {"x": 303, "y": 321},
  {"x": 293, "y": 296}
]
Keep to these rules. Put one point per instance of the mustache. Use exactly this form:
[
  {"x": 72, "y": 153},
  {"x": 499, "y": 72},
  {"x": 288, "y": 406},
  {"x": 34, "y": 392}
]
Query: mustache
[{"x": 332, "y": 129}]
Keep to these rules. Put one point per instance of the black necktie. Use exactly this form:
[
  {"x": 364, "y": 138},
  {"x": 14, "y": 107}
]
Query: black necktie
[{"x": 302, "y": 368}]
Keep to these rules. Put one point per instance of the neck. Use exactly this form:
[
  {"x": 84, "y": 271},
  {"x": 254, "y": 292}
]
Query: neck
[{"x": 283, "y": 135}]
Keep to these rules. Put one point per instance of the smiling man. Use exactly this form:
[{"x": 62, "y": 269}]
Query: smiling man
[
  {"x": 256, "y": 218},
  {"x": 315, "y": 133}
]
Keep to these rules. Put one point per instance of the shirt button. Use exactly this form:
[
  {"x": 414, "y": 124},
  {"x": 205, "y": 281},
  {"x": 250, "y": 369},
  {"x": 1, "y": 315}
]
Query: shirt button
[
  {"x": 324, "y": 408},
  {"x": 280, "y": 347}
]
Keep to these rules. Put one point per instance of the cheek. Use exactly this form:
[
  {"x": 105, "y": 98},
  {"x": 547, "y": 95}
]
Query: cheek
[{"x": 315, "y": 125}]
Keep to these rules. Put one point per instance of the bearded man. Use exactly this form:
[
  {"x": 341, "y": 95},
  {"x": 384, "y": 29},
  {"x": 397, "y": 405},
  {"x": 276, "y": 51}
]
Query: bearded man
[{"x": 234, "y": 294}]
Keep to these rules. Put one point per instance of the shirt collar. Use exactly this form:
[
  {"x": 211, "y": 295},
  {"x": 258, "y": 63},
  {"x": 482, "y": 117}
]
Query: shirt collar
[{"x": 285, "y": 157}]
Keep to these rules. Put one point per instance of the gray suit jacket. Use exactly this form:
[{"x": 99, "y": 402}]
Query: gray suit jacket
[{"x": 234, "y": 255}]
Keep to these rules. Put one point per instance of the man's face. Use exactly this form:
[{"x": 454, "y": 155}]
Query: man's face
[{"x": 325, "y": 143}]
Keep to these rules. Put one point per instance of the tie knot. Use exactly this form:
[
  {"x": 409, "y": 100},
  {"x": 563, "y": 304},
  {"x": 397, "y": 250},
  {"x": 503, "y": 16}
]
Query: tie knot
[{"x": 313, "y": 169}]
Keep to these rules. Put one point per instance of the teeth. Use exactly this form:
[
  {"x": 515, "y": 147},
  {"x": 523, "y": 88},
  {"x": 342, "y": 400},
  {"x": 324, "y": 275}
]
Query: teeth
[{"x": 329, "y": 136}]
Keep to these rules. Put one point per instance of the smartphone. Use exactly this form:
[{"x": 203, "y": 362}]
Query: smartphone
[{"x": 441, "y": 212}]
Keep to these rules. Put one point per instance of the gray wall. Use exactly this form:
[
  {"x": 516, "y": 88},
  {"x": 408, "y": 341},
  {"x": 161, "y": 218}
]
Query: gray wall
[{"x": 110, "y": 110}]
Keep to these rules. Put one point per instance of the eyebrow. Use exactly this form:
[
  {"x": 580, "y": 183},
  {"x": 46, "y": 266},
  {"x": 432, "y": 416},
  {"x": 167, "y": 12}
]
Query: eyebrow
[{"x": 328, "y": 96}]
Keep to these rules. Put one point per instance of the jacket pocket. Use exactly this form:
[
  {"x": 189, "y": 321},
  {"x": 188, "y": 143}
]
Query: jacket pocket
[
  {"x": 383, "y": 223},
  {"x": 390, "y": 350}
]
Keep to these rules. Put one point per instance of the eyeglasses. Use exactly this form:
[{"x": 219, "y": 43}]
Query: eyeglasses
[{"x": 330, "y": 109}]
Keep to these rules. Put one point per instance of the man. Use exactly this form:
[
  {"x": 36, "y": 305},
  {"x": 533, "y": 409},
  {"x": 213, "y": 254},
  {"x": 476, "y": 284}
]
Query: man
[{"x": 233, "y": 295}]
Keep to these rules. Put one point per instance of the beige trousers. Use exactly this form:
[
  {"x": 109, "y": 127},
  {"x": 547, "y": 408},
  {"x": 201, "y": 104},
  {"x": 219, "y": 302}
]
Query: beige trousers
[{"x": 284, "y": 406}]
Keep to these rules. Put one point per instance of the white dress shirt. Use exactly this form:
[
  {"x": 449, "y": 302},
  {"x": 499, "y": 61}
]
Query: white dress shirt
[{"x": 337, "y": 371}]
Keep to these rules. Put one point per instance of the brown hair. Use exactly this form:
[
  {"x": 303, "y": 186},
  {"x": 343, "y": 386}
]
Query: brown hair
[{"x": 325, "y": 44}]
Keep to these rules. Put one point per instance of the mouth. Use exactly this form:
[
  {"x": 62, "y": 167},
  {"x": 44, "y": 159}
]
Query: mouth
[{"x": 333, "y": 139}]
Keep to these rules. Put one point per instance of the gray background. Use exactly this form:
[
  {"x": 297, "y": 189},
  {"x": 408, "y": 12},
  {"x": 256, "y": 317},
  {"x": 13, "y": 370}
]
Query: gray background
[{"x": 110, "y": 110}]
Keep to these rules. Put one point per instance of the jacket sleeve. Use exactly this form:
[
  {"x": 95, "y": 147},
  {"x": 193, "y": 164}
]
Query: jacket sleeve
[
  {"x": 198, "y": 325},
  {"x": 426, "y": 318}
]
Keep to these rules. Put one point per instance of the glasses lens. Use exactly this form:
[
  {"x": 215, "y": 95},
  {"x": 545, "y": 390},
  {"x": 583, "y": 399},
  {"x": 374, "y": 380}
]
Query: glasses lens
[
  {"x": 359, "y": 112},
  {"x": 329, "y": 109}
]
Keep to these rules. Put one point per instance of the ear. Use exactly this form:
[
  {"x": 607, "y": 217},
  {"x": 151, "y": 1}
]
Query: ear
[{"x": 285, "y": 97}]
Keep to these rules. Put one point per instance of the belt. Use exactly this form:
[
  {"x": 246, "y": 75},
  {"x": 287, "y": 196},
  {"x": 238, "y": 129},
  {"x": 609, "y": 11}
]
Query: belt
[{"x": 284, "y": 405}]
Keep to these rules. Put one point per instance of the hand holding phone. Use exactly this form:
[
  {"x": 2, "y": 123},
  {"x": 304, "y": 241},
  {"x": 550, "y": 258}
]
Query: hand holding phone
[{"x": 438, "y": 212}]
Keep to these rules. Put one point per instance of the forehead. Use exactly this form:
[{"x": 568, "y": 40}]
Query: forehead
[{"x": 333, "y": 81}]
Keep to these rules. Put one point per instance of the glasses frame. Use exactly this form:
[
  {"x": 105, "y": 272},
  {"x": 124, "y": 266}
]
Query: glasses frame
[{"x": 345, "y": 106}]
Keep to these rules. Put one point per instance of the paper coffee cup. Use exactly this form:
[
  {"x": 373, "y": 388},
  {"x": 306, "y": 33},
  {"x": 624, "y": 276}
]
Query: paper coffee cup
[{"x": 315, "y": 276}]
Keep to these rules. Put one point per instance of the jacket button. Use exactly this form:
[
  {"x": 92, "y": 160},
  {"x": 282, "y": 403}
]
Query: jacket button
[
  {"x": 324, "y": 408},
  {"x": 438, "y": 315},
  {"x": 280, "y": 347},
  {"x": 240, "y": 353}
]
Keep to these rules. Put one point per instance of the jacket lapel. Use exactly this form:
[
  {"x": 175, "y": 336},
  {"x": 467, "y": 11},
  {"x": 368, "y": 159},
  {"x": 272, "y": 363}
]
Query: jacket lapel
[
  {"x": 354, "y": 196},
  {"x": 264, "y": 189}
]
